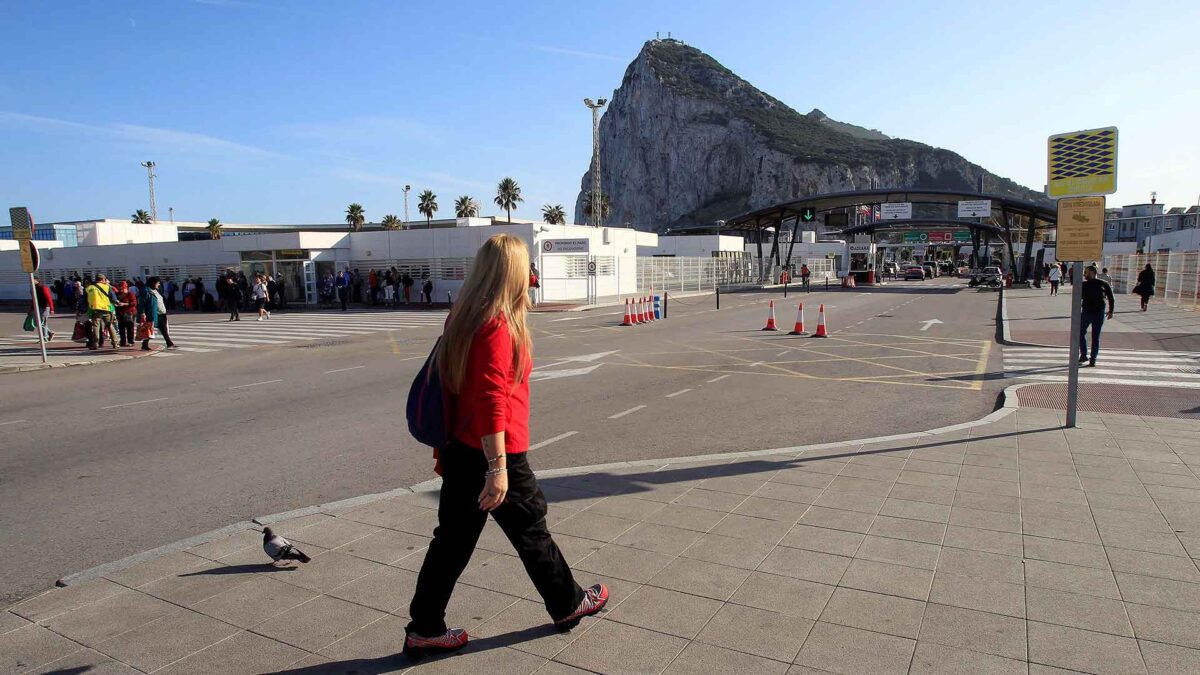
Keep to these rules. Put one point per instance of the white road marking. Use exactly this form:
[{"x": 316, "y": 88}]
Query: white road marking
[
  {"x": 4, "y": 424},
  {"x": 782, "y": 354},
  {"x": 558, "y": 374},
  {"x": 719, "y": 378},
  {"x": 927, "y": 323},
  {"x": 556, "y": 439},
  {"x": 681, "y": 391},
  {"x": 569, "y": 318},
  {"x": 622, "y": 414},
  {"x": 755, "y": 364},
  {"x": 342, "y": 370},
  {"x": 122, "y": 405},
  {"x": 255, "y": 384}
]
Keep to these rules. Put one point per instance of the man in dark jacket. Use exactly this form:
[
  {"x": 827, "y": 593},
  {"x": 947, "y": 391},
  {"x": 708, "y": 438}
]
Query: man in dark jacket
[{"x": 1095, "y": 293}]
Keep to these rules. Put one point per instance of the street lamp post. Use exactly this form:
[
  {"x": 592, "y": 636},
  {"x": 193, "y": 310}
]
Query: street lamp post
[
  {"x": 406, "y": 189},
  {"x": 597, "y": 204},
  {"x": 150, "y": 175}
]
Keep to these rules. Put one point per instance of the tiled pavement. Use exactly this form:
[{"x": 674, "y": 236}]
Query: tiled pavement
[{"x": 1012, "y": 547}]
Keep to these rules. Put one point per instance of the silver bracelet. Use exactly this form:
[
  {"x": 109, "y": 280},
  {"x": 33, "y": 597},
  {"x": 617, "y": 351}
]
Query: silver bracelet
[
  {"x": 493, "y": 460},
  {"x": 495, "y": 472}
]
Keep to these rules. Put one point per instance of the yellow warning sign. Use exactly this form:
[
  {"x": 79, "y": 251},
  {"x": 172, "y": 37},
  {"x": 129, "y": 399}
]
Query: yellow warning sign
[
  {"x": 1080, "y": 229},
  {"x": 1082, "y": 163}
]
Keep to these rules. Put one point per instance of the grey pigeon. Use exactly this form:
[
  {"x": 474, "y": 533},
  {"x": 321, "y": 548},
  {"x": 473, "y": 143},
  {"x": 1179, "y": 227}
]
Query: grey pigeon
[{"x": 281, "y": 549}]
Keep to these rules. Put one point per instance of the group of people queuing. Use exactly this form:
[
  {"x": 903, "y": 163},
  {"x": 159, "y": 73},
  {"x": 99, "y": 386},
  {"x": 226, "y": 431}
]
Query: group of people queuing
[
  {"x": 376, "y": 288},
  {"x": 263, "y": 292},
  {"x": 120, "y": 313}
]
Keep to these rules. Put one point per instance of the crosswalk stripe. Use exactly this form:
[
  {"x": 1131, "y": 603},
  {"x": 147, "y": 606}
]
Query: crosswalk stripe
[
  {"x": 1058, "y": 363},
  {"x": 1137, "y": 367},
  {"x": 1108, "y": 380}
]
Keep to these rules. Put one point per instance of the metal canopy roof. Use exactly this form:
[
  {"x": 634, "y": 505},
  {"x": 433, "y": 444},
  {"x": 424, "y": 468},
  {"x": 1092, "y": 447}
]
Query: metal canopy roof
[
  {"x": 771, "y": 215},
  {"x": 916, "y": 223}
]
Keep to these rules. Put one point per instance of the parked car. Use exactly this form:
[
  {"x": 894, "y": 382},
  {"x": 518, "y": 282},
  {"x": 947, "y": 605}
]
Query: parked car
[{"x": 914, "y": 272}]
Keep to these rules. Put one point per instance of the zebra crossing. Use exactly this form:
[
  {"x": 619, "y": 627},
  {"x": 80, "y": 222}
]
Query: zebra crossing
[
  {"x": 211, "y": 336},
  {"x": 1146, "y": 368}
]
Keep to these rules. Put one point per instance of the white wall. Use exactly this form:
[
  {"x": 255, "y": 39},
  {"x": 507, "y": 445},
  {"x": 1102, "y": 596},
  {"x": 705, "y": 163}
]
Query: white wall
[
  {"x": 1183, "y": 240},
  {"x": 700, "y": 246},
  {"x": 113, "y": 232}
]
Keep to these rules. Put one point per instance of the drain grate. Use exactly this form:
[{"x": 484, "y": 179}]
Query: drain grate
[{"x": 1115, "y": 398}]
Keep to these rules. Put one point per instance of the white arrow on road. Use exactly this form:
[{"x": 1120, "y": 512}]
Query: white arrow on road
[
  {"x": 928, "y": 323},
  {"x": 557, "y": 374},
  {"x": 585, "y": 358}
]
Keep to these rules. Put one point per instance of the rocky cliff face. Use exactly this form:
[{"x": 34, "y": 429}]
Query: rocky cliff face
[{"x": 685, "y": 141}]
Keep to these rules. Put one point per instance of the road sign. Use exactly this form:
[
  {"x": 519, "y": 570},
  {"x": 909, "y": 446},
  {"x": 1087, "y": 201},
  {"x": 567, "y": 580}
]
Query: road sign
[
  {"x": 1082, "y": 163},
  {"x": 975, "y": 208},
  {"x": 808, "y": 214},
  {"x": 592, "y": 267},
  {"x": 916, "y": 237},
  {"x": 919, "y": 250},
  {"x": 940, "y": 238},
  {"x": 22, "y": 222},
  {"x": 566, "y": 245},
  {"x": 1080, "y": 229},
  {"x": 895, "y": 211},
  {"x": 962, "y": 235},
  {"x": 30, "y": 261}
]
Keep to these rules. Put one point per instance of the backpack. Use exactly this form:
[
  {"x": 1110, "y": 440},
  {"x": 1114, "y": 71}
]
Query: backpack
[{"x": 428, "y": 421}]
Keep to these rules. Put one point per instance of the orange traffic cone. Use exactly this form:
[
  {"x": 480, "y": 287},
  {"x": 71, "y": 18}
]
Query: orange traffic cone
[
  {"x": 821, "y": 332},
  {"x": 640, "y": 315},
  {"x": 771, "y": 317},
  {"x": 649, "y": 308},
  {"x": 628, "y": 320},
  {"x": 799, "y": 329}
]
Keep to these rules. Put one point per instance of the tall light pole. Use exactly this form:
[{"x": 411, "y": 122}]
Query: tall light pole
[
  {"x": 406, "y": 189},
  {"x": 597, "y": 204},
  {"x": 150, "y": 174}
]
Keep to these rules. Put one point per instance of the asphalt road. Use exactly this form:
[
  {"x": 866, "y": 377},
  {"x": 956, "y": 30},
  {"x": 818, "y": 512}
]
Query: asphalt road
[{"x": 99, "y": 463}]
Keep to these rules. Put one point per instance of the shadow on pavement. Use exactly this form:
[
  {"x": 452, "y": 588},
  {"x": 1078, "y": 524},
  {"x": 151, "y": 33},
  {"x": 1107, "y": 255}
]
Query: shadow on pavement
[{"x": 239, "y": 569}]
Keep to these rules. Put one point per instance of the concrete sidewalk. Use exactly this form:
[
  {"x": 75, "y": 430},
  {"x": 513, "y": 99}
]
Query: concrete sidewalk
[
  {"x": 1009, "y": 545},
  {"x": 22, "y": 355},
  {"x": 1034, "y": 316}
]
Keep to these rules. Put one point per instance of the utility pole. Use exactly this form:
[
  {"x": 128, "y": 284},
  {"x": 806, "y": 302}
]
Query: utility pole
[
  {"x": 597, "y": 202},
  {"x": 150, "y": 175},
  {"x": 171, "y": 210},
  {"x": 406, "y": 189}
]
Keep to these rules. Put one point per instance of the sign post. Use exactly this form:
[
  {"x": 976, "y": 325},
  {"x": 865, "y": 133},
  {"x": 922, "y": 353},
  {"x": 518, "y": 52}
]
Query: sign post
[
  {"x": 1080, "y": 165},
  {"x": 22, "y": 227}
]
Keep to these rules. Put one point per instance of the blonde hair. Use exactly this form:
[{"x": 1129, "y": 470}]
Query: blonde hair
[{"x": 497, "y": 286}]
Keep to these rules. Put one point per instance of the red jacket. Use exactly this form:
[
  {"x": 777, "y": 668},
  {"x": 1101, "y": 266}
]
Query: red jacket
[
  {"x": 46, "y": 299},
  {"x": 490, "y": 400}
]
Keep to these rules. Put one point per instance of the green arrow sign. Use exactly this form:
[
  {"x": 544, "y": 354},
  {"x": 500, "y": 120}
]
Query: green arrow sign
[
  {"x": 962, "y": 236},
  {"x": 808, "y": 214}
]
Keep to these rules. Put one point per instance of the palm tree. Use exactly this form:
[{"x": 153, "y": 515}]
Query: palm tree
[
  {"x": 214, "y": 228},
  {"x": 391, "y": 222},
  {"x": 554, "y": 215},
  {"x": 465, "y": 207},
  {"x": 141, "y": 217},
  {"x": 355, "y": 217},
  {"x": 427, "y": 205},
  {"x": 605, "y": 206},
  {"x": 508, "y": 195}
]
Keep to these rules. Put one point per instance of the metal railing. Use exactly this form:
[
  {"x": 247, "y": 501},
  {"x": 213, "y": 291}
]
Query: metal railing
[{"x": 1177, "y": 276}]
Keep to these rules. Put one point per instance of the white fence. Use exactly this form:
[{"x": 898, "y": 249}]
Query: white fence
[
  {"x": 1177, "y": 276},
  {"x": 692, "y": 275}
]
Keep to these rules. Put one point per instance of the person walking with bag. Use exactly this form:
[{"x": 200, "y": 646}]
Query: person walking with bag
[
  {"x": 127, "y": 314},
  {"x": 261, "y": 295},
  {"x": 1145, "y": 285},
  {"x": 484, "y": 361},
  {"x": 42, "y": 305},
  {"x": 154, "y": 312}
]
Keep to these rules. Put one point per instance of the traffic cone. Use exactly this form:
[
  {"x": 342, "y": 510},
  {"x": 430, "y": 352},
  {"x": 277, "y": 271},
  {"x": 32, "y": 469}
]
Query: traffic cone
[
  {"x": 771, "y": 317},
  {"x": 821, "y": 323},
  {"x": 628, "y": 320},
  {"x": 799, "y": 329},
  {"x": 650, "y": 309},
  {"x": 640, "y": 316}
]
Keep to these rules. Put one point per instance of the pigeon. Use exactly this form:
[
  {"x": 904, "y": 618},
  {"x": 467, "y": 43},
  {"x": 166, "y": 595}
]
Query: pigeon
[{"x": 281, "y": 549}]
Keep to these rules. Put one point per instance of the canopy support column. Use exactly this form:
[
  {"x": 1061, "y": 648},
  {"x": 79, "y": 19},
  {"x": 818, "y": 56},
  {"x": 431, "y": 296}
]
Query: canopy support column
[
  {"x": 1027, "y": 268},
  {"x": 795, "y": 230}
]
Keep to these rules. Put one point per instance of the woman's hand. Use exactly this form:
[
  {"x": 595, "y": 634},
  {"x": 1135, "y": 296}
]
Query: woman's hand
[{"x": 495, "y": 489}]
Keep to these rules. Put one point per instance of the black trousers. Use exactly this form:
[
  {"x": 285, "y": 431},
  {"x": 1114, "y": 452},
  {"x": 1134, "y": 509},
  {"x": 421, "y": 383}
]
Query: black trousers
[
  {"x": 125, "y": 328},
  {"x": 161, "y": 326},
  {"x": 522, "y": 516}
]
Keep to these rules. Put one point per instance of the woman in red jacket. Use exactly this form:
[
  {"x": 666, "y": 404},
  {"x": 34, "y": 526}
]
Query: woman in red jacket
[{"x": 484, "y": 362}]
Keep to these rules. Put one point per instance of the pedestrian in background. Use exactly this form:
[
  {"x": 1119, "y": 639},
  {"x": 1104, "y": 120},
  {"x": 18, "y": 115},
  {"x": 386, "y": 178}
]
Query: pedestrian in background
[
  {"x": 261, "y": 295},
  {"x": 1095, "y": 292},
  {"x": 42, "y": 306},
  {"x": 127, "y": 313},
  {"x": 389, "y": 289},
  {"x": 408, "y": 285},
  {"x": 83, "y": 317},
  {"x": 233, "y": 298},
  {"x": 153, "y": 310},
  {"x": 1055, "y": 277},
  {"x": 427, "y": 291},
  {"x": 484, "y": 362},
  {"x": 1145, "y": 285},
  {"x": 102, "y": 303}
]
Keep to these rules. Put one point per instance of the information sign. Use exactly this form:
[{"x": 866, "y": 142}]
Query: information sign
[
  {"x": 1081, "y": 163},
  {"x": 895, "y": 211},
  {"x": 1080, "y": 229},
  {"x": 566, "y": 245},
  {"x": 975, "y": 208}
]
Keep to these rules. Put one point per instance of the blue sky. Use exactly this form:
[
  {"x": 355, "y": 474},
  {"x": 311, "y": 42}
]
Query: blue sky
[{"x": 266, "y": 111}]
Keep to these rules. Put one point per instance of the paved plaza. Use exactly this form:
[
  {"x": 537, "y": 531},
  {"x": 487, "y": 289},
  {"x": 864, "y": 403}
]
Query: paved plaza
[{"x": 1011, "y": 545}]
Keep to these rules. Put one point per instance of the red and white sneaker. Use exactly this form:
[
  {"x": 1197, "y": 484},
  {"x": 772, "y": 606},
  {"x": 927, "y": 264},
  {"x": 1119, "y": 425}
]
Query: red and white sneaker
[
  {"x": 417, "y": 647},
  {"x": 594, "y": 600}
]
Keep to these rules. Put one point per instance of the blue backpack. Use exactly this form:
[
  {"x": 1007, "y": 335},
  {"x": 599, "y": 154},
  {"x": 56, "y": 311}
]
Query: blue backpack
[{"x": 428, "y": 421}]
